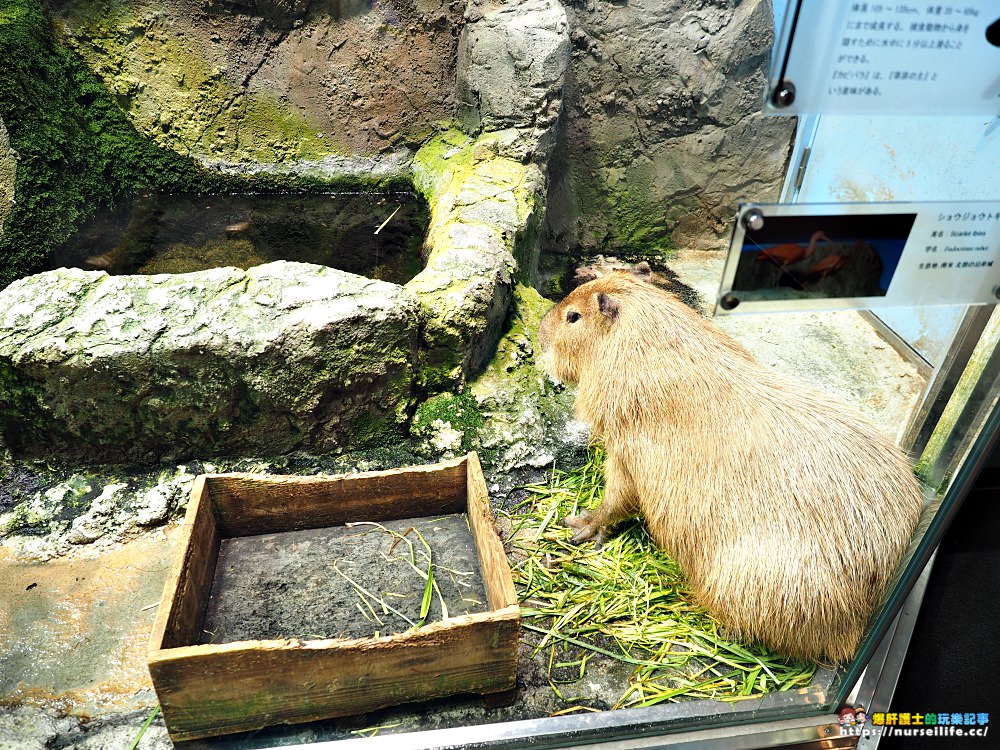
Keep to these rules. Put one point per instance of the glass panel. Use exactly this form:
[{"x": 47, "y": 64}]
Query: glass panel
[
  {"x": 961, "y": 441},
  {"x": 891, "y": 57}
]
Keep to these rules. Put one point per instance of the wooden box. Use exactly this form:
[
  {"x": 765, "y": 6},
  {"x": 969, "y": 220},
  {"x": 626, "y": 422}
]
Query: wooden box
[{"x": 214, "y": 689}]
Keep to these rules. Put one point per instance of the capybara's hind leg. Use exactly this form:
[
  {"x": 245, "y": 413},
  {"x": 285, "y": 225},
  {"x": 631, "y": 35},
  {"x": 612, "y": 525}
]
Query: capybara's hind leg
[{"x": 620, "y": 502}]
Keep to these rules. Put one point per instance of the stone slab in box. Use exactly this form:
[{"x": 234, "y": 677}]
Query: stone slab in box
[{"x": 215, "y": 688}]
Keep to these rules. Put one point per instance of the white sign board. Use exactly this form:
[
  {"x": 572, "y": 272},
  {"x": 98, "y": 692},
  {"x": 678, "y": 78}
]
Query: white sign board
[
  {"x": 893, "y": 57},
  {"x": 836, "y": 256}
]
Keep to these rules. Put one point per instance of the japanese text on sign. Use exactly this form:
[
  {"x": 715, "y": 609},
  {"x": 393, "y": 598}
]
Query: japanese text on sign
[{"x": 896, "y": 57}]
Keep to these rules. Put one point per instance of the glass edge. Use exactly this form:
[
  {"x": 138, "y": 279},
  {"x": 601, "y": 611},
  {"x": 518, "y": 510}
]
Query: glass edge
[{"x": 960, "y": 486}]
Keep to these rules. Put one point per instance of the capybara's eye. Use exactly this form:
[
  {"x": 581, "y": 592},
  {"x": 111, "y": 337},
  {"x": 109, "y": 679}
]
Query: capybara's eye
[{"x": 572, "y": 316}]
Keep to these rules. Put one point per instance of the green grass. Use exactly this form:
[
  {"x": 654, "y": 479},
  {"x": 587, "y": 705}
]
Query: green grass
[
  {"x": 629, "y": 602},
  {"x": 145, "y": 726}
]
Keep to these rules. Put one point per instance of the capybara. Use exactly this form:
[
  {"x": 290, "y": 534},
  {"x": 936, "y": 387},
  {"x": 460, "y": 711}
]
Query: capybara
[{"x": 787, "y": 511}]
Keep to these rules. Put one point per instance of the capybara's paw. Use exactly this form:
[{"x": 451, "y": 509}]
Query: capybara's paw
[
  {"x": 577, "y": 522},
  {"x": 586, "y": 529},
  {"x": 598, "y": 533}
]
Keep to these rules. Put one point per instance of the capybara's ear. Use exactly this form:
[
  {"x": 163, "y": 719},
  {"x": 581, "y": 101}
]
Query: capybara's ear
[
  {"x": 608, "y": 306},
  {"x": 642, "y": 271},
  {"x": 588, "y": 273}
]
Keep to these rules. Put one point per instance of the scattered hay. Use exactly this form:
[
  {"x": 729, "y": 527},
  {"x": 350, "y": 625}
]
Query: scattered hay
[{"x": 627, "y": 601}]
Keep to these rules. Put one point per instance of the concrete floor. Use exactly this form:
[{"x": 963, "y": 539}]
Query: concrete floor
[{"x": 73, "y": 635}]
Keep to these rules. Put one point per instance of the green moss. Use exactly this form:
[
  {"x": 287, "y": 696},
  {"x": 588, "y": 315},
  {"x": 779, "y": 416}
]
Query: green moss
[
  {"x": 529, "y": 309},
  {"x": 446, "y": 414},
  {"x": 12, "y": 521},
  {"x": 76, "y": 148},
  {"x": 21, "y": 401},
  {"x": 469, "y": 186},
  {"x": 458, "y": 408},
  {"x": 443, "y": 349},
  {"x": 512, "y": 373},
  {"x": 452, "y": 161},
  {"x": 77, "y": 490},
  {"x": 640, "y": 227},
  {"x": 618, "y": 210},
  {"x": 40, "y": 506},
  {"x": 439, "y": 160},
  {"x": 181, "y": 97},
  {"x": 372, "y": 430},
  {"x": 526, "y": 412},
  {"x": 269, "y": 130}
]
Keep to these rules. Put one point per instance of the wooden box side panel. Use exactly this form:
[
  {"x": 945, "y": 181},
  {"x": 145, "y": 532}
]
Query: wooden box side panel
[
  {"x": 247, "y": 504},
  {"x": 212, "y": 690},
  {"x": 189, "y": 584},
  {"x": 492, "y": 560}
]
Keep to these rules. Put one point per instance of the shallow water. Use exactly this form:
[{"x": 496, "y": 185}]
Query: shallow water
[{"x": 375, "y": 235}]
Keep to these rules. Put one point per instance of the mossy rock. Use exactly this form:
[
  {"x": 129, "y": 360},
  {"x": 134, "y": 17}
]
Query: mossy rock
[
  {"x": 281, "y": 357},
  {"x": 447, "y": 424},
  {"x": 482, "y": 239},
  {"x": 512, "y": 413}
]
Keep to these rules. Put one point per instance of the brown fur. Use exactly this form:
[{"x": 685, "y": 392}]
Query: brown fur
[{"x": 787, "y": 511}]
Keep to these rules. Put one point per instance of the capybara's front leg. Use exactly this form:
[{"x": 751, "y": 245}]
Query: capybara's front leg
[
  {"x": 588, "y": 526},
  {"x": 619, "y": 503}
]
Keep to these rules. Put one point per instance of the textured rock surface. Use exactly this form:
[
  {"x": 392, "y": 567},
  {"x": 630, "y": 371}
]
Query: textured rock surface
[
  {"x": 391, "y": 169},
  {"x": 513, "y": 414},
  {"x": 527, "y": 418},
  {"x": 81, "y": 625},
  {"x": 27, "y": 728},
  {"x": 274, "y": 81},
  {"x": 8, "y": 169},
  {"x": 43, "y": 505},
  {"x": 661, "y": 135},
  {"x": 281, "y": 356},
  {"x": 485, "y": 211},
  {"x": 512, "y": 60}
]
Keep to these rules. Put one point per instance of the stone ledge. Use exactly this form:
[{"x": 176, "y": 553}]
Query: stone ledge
[
  {"x": 485, "y": 210},
  {"x": 8, "y": 171},
  {"x": 280, "y": 357}
]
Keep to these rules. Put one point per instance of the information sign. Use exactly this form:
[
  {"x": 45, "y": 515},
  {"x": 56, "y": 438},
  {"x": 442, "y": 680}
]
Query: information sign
[
  {"x": 910, "y": 57},
  {"x": 836, "y": 256}
]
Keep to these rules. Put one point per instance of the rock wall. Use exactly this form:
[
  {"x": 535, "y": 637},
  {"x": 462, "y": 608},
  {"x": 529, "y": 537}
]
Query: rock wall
[
  {"x": 8, "y": 172},
  {"x": 660, "y": 128},
  {"x": 512, "y": 61},
  {"x": 274, "y": 80},
  {"x": 661, "y": 131}
]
